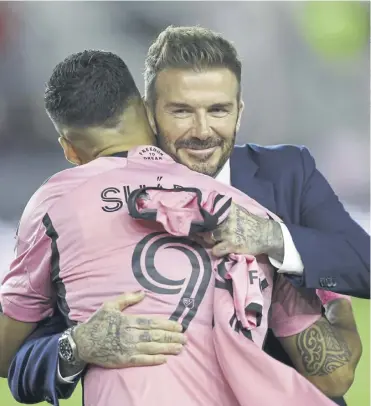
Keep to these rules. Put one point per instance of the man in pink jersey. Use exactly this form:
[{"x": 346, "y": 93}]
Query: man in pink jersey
[
  {"x": 111, "y": 195},
  {"x": 62, "y": 262}
]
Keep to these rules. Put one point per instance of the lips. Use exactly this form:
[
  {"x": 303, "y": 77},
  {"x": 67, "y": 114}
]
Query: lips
[{"x": 201, "y": 153}]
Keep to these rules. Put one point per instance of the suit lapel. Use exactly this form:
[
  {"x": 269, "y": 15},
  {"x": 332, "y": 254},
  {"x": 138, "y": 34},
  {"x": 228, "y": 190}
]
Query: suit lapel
[{"x": 245, "y": 177}]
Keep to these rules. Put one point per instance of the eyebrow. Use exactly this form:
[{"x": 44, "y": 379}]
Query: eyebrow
[
  {"x": 177, "y": 105},
  {"x": 185, "y": 105},
  {"x": 222, "y": 105}
]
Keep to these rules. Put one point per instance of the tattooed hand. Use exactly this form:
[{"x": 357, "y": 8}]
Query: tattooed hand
[
  {"x": 112, "y": 339},
  {"x": 246, "y": 233}
]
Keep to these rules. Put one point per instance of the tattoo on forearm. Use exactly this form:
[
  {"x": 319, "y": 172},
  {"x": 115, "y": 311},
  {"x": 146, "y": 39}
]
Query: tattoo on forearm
[
  {"x": 275, "y": 241},
  {"x": 246, "y": 228},
  {"x": 322, "y": 349},
  {"x": 251, "y": 233},
  {"x": 241, "y": 222}
]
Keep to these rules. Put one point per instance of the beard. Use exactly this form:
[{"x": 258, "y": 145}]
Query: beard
[{"x": 201, "y": 165}]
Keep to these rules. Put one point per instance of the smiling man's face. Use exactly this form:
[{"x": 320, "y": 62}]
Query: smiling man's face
[{"x": 196, "y": 116}]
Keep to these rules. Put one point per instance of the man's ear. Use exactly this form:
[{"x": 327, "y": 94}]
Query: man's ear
[
  {"x": 240, "y": 111},
  {"x": 69, "y": 152}
]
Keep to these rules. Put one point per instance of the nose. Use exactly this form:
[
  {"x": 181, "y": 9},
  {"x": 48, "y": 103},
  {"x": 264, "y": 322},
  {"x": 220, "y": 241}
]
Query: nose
[{"x": 203, "y": 130}]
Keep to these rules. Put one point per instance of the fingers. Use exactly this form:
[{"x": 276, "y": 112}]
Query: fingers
[
  {"x": 205, "y": 238},
  {"x": 219, "y": 234},
  {"x": 160, "y": 336},
  {"x": 156, "y": 323},
  {"x": 215, "y": 236},
  {"x": 221, "y": 249},
  {"x": 123, "y": 301},
  {"x": 157, "y": 348},
  {"x": 218, "y": 242},
  {"x": 142, "y": 360}
]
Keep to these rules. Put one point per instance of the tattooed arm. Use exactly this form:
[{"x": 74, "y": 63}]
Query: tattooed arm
[
  {"x": 112, "y": 338},
  {"x": 246, "y": 233},
  {"x": 327, "y": 353}
]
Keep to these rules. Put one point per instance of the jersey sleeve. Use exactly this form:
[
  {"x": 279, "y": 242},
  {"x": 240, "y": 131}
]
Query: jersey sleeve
[
  {"x": 293, "y": 310},
  {"x": 25, "y": 292}
]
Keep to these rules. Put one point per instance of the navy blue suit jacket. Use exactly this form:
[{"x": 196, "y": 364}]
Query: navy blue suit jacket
[{"x": 334, "y": 249}]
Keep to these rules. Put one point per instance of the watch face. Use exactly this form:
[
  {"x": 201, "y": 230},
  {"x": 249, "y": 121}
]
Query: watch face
[{"x": 65, "y": 350}]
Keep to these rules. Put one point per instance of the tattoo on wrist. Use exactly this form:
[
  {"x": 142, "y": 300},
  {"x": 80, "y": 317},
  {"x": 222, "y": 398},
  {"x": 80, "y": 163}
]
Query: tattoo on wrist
[{"x": 322, "y": 349}]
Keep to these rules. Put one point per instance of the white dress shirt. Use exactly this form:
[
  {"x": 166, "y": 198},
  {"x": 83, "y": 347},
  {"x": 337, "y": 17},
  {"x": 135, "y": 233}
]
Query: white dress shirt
[{"x": 292, "y": 263}]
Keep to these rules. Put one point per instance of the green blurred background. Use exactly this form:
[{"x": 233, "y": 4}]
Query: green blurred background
[{"x": 358, "y": 395}]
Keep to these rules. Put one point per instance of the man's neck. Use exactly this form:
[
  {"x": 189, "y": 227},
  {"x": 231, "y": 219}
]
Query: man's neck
[{"x": 118, "y": 148}]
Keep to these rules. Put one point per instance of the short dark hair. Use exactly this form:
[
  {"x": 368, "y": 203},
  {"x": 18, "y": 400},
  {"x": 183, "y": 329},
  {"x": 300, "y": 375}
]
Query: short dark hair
[
  {"x": 89, "y": 88},
  {"x": 194, "y": 48}
]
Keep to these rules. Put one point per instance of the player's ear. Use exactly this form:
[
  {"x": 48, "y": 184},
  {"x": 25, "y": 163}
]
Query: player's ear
[
  {"x": 69, "y": 152},
  {"x": 241, "y": 107},
  {"x": 150, "y": 115}
]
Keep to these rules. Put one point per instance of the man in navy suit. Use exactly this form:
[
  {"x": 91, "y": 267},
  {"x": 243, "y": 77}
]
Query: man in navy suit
[{"x": 318, "y": 245}]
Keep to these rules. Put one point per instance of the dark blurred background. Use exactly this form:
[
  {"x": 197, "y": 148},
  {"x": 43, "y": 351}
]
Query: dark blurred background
[{"x": 306, "y": 80}]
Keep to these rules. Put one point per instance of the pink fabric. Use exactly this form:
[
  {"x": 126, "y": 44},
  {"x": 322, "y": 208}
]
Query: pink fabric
[
  {"x": 178, "y": 210},
  {"x": 291, "y": 308},
  {"x": 245, "y": 294},
  {"x": 327, "y": 296},
  {"x": 240, "y": 358},
  {"x": 77, "y": 239},
  {"x": 255, "y": 377}
]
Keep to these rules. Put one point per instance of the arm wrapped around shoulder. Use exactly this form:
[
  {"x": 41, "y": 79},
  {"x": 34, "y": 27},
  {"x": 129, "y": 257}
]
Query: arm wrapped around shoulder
[{"x": 326, "y": 350}]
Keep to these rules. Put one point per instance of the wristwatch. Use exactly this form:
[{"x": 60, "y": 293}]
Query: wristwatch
[{"x": 67, "y": 349}]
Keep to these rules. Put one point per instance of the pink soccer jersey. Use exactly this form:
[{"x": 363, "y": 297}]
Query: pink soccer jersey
[
  {"x": 77, "y": 247},
  {"x": 239, "y": 303}
]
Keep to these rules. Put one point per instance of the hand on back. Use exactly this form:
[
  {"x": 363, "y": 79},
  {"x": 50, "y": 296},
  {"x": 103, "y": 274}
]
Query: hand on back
[{"x": 110, "y": 338}]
